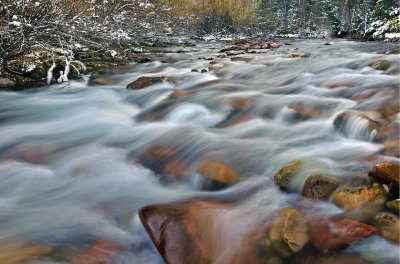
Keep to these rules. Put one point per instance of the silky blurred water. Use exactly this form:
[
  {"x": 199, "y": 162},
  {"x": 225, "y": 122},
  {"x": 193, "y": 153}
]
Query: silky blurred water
[{"x": 68, "y": 155}]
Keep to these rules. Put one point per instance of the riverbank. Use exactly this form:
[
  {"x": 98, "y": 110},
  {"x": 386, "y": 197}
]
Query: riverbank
[{"x": 39, "y": 66}]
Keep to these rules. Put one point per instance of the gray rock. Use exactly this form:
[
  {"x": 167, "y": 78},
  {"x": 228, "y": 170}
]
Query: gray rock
[{"x": 6, "y": 83}]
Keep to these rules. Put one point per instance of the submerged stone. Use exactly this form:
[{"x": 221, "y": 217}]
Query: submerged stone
[
  {"x": 218, "y": 171},
  {"x": 349, "y": 123},
  {"x": 381, "y": 65},
  {"x": 284, "y": 176},
  {"x": 319, "y": 187},
  {"x": 14, "y": 253},
  {"x": 288, "y": 232},
  {"x": 388, "y": 226},
  {"x": 358, "y": 197},
  {"x": 331, "y": 233},
  {"x": 102, "y": 251},
  {"x": 143, "y": 82},
  {"x": 300, "y": 55},
  {"x": 394, "y": 205}
]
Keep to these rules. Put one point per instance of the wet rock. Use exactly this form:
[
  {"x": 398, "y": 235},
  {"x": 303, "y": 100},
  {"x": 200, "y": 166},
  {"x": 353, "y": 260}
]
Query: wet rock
[
  {"x": 218, "y": 171},
  {"x": 307, "y": 111},
  {"x": 98, "y": 80},
  {"x": 334, "y": 258},
  {"x": 288, "y": 232},
  {"x": 300, "y": 55},
  {"x": 6, "y": 83},
  {"x": 359, "y": 197},
  {"x": 165, "y": 162},
  {"x": 319, "y": 187},
  {"x": 194, "y": 70},
  {"x": 101, "y": 252},
  {"x": 204, "y": 231},
  {"x": 284, "y": 176},
  {"x": 15, "y": 253},
  {"x": 178, "y": 94},
  {"x": 391, "y": 148},
  {"x": 235, "y": 117},
  {"x": 242, "y": 58},
  {"x": 387, "y": 173},
  {"x": 241, "y": 103},
  {"x": 143, "y": 82},
  {"x": 381, "y": 65},
  {"x": 332, "y": 233},
  {"x": 394, "y": 205},
  {"x": 388, "y": 226},
  {"x": 203, "y": 70},
  {"x": 143, "y": 60},
  {"x": 391, "y": 106},
  {"x": 346, "y": 123}
]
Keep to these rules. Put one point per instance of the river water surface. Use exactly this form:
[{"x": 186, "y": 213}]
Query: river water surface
[{"x": 71, "y": 171}]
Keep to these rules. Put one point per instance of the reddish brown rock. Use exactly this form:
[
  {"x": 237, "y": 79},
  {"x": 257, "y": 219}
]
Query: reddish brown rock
[
  {"x": 102, "y": 252},
  {"x": 203, "y": 232},
  {"x": 351, "y": 198},
  {"x": 241, "y": 103},
  {"x": 388, "y": 226},
  {"x": 328, "y": 234},
  {"x": 387, "y": 173},
  {"x": 319, "y": 187},
  {"x": 165, "y": 162}
]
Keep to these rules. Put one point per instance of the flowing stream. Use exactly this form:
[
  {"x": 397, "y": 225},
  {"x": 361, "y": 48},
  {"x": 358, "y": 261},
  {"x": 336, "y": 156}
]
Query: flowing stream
[{"x": 71, "y": 166}]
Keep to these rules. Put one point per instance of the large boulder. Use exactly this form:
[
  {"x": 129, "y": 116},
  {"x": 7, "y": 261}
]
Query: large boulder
[{"x": 204, "y": 231}]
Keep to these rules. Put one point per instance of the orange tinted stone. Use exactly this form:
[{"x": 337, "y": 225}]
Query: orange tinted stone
[
  {"x": 12, "y": 253},
  {"x": 357, "y": 197},
  {"x": 102, "y": 252},
  {"x": 218, "y": 171}
]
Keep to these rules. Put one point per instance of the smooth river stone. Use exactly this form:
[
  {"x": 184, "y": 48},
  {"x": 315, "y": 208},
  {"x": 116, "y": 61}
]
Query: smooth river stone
[
  {"x": 288, "y": 232},
  {"x": 352, "y": 198},
  {"x": 203, "y": 232},
  {"x": 387, "y": 173},
  {"x": 218, "y": 171},
  {"x": 394, "y": 205},
  {"x": 103, "y": 252},
  {"x": 285, "y": 175},
  {"x": 388, "y": 226},
  {"x": 331, "y": 233},
  {"x": 319, "y": 187}
]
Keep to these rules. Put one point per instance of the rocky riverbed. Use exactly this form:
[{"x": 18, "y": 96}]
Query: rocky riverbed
[{"x": 280, "y": 151}]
